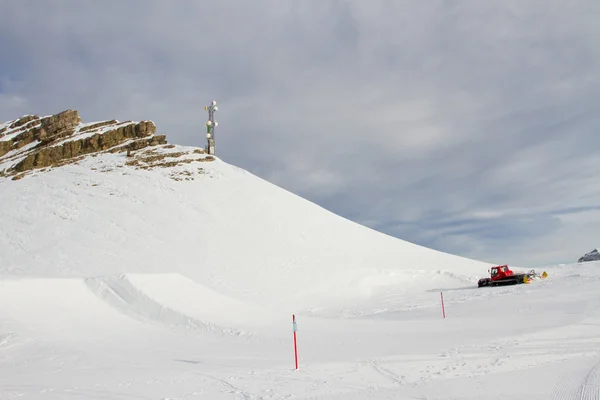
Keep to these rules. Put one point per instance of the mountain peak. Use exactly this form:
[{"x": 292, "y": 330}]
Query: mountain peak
[{"x": 593, "y": 255}]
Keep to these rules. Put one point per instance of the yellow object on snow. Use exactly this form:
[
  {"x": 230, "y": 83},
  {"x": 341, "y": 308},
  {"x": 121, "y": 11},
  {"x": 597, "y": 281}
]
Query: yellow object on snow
[
  {"x": 526, "y": 279},
  {"x": 545, "y": 274}
]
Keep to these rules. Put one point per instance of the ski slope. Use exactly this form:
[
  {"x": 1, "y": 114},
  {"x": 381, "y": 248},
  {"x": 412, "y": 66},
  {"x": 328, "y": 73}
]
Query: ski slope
[
  {"x": 226, "y": 228},
  {"x": 119, "y": 282}
]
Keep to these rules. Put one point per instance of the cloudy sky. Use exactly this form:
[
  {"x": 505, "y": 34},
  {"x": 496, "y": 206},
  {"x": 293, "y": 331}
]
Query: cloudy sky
[{"x": 468, "y": 126}]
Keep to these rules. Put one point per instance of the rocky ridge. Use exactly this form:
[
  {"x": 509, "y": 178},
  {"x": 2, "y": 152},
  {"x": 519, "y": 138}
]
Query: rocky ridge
[
  {"x": 593, "y": 255},
  {"x": 34, "y": 143}
]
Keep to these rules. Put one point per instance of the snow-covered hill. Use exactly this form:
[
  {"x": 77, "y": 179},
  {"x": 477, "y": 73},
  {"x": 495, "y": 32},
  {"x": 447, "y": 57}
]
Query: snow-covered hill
[
  {"x": 133, "y": 268},
  {"x": 167, "y": 209}
]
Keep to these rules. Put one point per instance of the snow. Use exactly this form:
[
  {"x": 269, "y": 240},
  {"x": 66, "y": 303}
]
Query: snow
[
  {"x": 12, "y": 133},
  {"x": 124, "y": 283}
]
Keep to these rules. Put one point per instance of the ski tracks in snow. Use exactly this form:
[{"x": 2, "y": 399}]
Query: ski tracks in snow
[
  {"x": 576, "y": 386},
  {"x": 387, "y": 373},
  {"x": 5, "y": 339},
  {"x": 240, "y": 394}
]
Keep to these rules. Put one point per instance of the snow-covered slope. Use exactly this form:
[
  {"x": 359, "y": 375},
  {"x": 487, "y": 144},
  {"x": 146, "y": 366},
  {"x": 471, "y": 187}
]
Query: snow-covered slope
[
  {"x": 210, "y": 221},
  {"x": 168, "y": 273}
]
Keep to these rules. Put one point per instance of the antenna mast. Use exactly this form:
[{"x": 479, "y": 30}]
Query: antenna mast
[{"x": 211, "y": 124}]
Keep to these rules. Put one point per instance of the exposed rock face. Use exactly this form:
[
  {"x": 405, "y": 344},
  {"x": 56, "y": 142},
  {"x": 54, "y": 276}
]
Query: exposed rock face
[
  {"x": 32, "y": 128},
  {"x": 593, "y": 255},
  {"x": 31, "y": 142}
]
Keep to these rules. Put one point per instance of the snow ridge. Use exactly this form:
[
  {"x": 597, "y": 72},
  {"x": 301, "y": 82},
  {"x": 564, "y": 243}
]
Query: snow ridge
[{"x": 121, "y": 294}]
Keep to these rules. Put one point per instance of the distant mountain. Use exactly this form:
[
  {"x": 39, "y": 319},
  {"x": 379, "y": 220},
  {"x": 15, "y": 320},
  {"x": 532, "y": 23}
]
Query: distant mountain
[{"x": 593, "y": 255}]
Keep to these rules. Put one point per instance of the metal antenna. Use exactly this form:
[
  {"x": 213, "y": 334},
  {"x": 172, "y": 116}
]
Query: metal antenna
[{"x": 211, "y": 124}]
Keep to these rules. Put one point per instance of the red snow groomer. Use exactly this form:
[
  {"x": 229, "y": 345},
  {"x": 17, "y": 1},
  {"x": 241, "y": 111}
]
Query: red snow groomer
[{"x": 502, "y": 275}]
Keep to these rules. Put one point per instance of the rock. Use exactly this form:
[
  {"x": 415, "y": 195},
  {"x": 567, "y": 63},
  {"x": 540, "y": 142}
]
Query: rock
[
  {"x": 593, "y": 255},
  {"x": 31, "y": 128},
  {"x": 5, "y": 147},
  {"x": 98, "y": 125},
  {"x": 62, "y": 137},
  {"x": 48, "y": 156},
  {"x": 60, "y": 125},
  {"x": 23, "y": 120}
]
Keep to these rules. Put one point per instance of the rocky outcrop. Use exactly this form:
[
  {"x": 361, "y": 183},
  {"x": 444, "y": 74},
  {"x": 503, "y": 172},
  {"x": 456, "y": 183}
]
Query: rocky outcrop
[
  {"x": 50, "y": 155},
  {"x": 31, "y": 142},
  {"x": 5, "y": 147},
  {"x": 593, "y": 255},
  {"x": 31, "y": 128}
]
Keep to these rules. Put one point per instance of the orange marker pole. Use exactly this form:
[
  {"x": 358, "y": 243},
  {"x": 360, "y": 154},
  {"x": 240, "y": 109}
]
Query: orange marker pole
[
  {"x": 295, "y": 340},
  {"x": 443, "y": 310}
]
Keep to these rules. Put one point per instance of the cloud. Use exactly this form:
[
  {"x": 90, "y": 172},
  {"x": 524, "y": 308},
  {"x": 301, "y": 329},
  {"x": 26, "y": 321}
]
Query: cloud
[{"x": 465, "y": 126}]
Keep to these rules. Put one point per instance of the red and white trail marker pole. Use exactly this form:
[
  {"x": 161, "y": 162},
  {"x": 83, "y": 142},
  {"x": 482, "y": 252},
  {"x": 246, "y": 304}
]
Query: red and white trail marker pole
[
  {"x": 295, "y": 341},
  {"x": 443, "y": 309}
]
